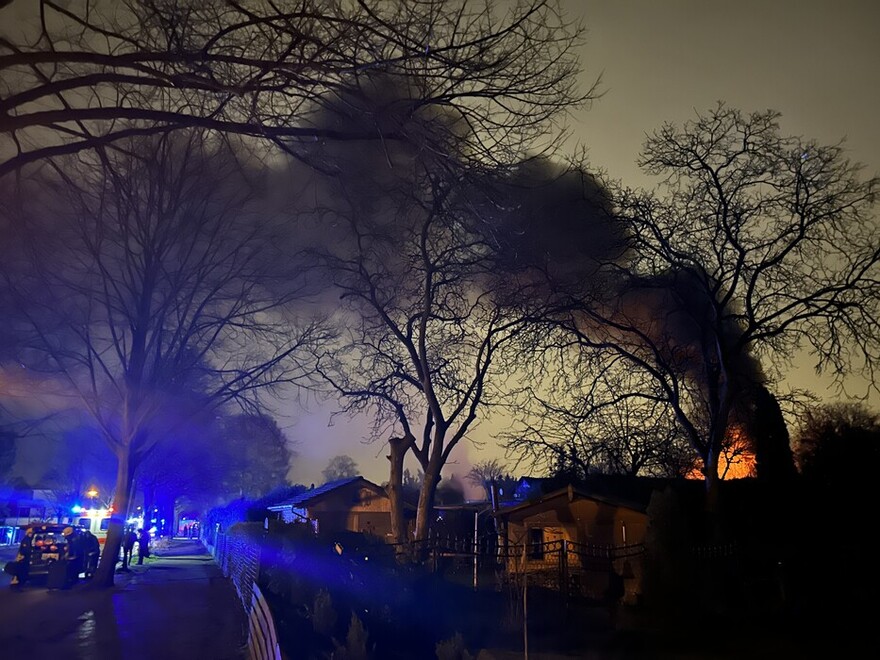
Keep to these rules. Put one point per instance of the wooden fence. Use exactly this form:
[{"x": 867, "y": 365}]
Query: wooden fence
[
  {"x": 239, "y": 557},
  {"x": 262, "y": 640},
  {"x": 573, "y": 569}
]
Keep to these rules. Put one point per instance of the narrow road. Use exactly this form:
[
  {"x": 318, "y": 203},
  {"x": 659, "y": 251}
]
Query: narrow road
[{"x": 177, "y": 605}]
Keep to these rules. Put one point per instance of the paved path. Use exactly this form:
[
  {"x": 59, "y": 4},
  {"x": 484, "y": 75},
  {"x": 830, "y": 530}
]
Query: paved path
[{"x": 177, "y": 605}]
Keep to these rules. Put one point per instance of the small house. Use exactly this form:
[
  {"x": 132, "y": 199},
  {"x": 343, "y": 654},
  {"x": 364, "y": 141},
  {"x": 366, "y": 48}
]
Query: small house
[
  {"x": 354, "y": 504},
  {"x": 573, "y": 537}
]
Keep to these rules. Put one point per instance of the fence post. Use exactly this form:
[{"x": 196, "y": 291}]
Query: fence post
[
  {"x": 476, "y": 550},
  {"x": 563, "y": 569},
  {"x": 525, "y": 615}
]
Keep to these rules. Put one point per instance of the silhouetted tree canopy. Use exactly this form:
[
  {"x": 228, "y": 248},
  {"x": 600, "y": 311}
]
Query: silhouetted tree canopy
[
  {"x": 258, "y": 454},
  {"x": 838, "y": 448},
  {"x": 87, "y": 75},
  {"x": 485, "y": 473},
  {"x": 340, "y": 467},
  {"x": 769, "y": 435},
  {"x": 450, "y": 491}
]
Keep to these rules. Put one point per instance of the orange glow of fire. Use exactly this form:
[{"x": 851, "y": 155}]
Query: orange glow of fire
[{"x": 737, "y": 460}]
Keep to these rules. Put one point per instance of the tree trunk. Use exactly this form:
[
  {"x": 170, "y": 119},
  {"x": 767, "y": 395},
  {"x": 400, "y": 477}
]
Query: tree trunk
[
  {"x": 716, "y": 444},
  {"x": 713, "y": 482},
  {"x": 121, "y": 498},
  {"x": 399, "y": 448},
  {"x": 713, "y": 522},
  {"x": 426, "y": 499}
]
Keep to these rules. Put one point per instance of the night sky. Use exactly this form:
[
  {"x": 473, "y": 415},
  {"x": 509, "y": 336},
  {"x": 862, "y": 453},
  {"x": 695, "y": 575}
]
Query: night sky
[{"x": 814, "y": 61}]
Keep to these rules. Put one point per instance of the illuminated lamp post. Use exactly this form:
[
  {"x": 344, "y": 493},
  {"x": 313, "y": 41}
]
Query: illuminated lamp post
[{"x": 92, "y": 494}]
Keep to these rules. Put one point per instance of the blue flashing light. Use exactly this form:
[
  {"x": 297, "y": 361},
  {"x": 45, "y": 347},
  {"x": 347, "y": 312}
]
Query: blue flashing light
[{"x": 76, "y": 508}]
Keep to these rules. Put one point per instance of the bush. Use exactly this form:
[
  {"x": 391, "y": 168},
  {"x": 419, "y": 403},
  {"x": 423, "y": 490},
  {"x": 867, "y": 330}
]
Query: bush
[
  {"x": 323, "y": 614},
  {"x": 355, "y": 642},
  {"x": 453, "y": 649}
]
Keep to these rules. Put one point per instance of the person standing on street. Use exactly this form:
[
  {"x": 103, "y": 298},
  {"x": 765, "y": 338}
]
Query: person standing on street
[
  {"x": 23, "y": 558},
  {"x": 143, "y": 545},
  {"x": 91, "y": 553},
  {"x": 73, "y": 557},
  {"x": 128, "y": 541}
]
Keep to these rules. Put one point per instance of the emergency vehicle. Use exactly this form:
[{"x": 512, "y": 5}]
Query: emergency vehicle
[{"x": 97, "y": 521}]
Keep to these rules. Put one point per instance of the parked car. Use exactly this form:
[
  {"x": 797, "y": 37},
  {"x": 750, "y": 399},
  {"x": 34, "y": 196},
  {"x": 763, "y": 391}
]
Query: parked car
[{"x": 50, "y": 546}]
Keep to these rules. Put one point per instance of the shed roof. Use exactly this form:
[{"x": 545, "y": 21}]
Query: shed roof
[
  {"x": 309, "y": 497},
  {"x": 571, "y": 494}
]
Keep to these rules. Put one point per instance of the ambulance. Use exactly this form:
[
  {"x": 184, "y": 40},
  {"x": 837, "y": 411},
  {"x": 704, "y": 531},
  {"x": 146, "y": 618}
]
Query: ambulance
[{"x": 97, "y": 521}]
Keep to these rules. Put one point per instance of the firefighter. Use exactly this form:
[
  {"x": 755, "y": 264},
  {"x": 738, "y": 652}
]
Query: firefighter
[
  {"x": 23, "y": 558},
  {"x": 74, "y": 556},
  {"x": 91, "y": 553},
  {"x": 129, "y": 538},
  {"x": 143, "y": 545}
]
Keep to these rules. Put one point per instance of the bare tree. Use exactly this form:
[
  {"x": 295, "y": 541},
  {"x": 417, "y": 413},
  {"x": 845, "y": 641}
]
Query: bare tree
[
  {"x": 190, "y": 461},
  {"x": 433, "y": 261},
  {"x": 83, "y": 75},
  {"x": 485, "y": 473},
  {"x": 761, "y": 246},
  {"x": 151, "y": 295},
  {"x": 422, "y": 334},
  {"x": 588, "y": 406}
]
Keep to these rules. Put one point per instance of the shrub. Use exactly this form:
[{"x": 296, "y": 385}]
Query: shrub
[
  {"x": 323, "y": 614},
  {"x": 355, "y": 642},
  {"x": 453, "y": 649}
]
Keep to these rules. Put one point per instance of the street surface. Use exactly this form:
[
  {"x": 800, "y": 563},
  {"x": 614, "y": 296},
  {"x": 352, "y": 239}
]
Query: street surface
[{"x": 177, "y": 605}]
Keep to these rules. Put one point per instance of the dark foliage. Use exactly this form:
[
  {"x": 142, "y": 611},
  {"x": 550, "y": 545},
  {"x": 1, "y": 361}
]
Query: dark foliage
[
  {"x": 405, "y": 609},
  {"x": 839, "y": 448},
  {"x": 773, "y": 455},
  {"x": 250, "y": 510}
]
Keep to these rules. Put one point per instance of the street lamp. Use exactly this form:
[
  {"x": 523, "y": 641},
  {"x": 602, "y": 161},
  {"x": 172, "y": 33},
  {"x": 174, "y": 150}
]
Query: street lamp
[{"x": 92, "y": 494}]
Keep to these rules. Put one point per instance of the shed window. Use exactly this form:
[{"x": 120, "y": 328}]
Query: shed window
[{"x": 536, "y": 543}]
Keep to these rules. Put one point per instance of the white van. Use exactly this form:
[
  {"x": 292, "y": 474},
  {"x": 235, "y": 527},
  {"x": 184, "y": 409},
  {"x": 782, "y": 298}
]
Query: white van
[{"x": 97, "y": 521}]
